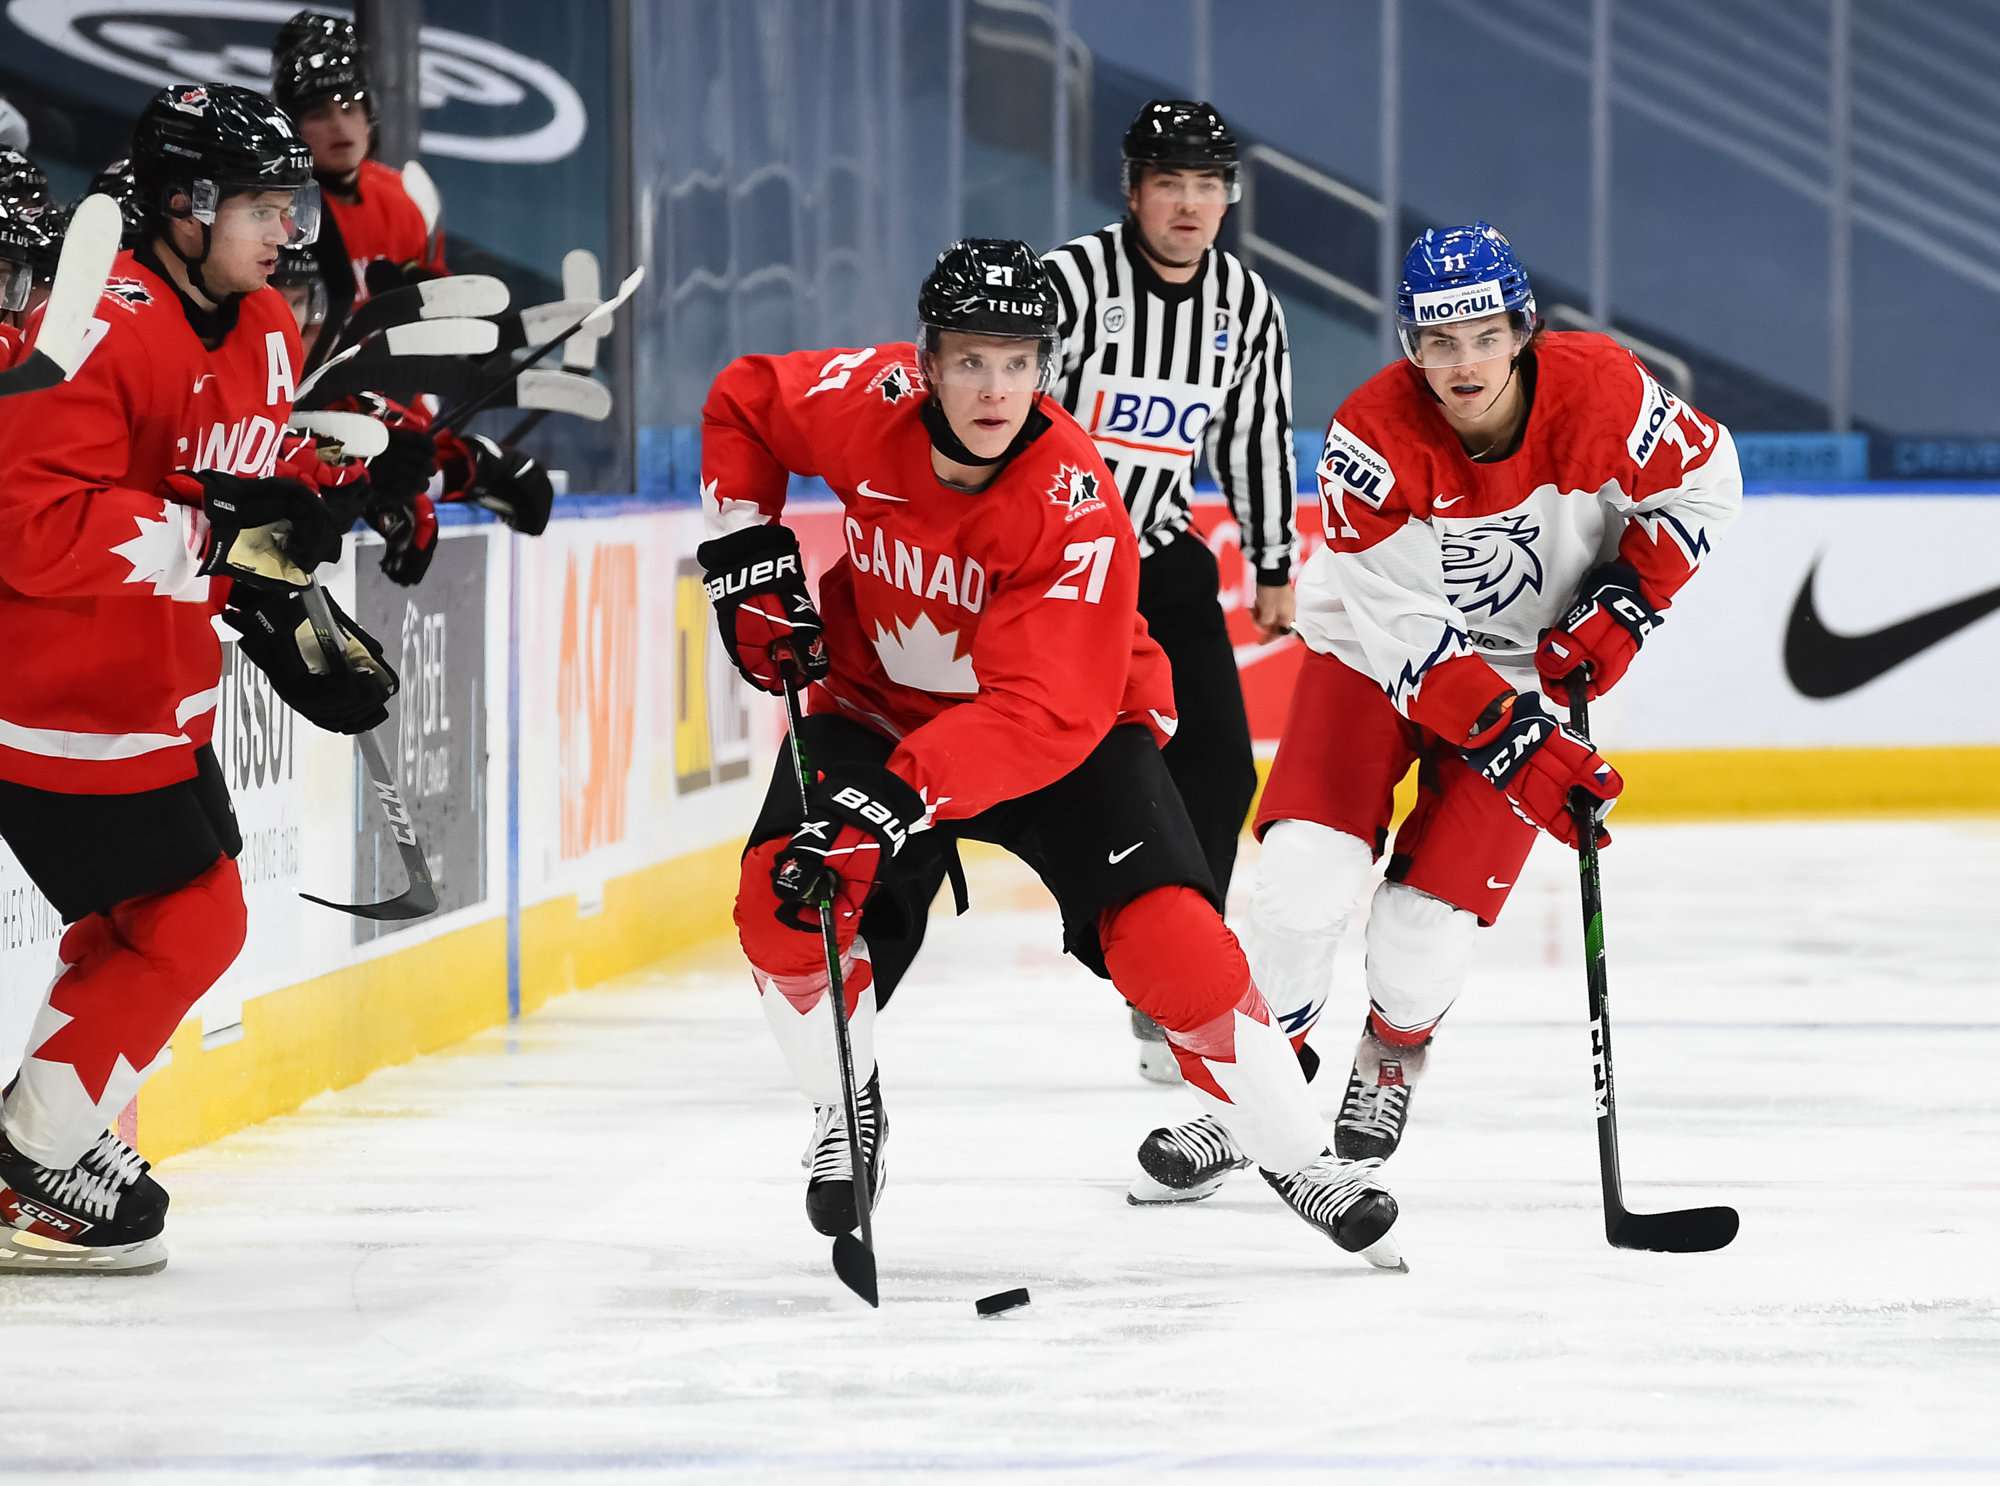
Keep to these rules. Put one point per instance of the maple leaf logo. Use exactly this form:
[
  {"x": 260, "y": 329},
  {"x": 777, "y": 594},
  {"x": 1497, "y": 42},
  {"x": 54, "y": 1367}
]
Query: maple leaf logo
[
  {"x": 94, "y": 1047},
  {"x": 894, "y": 382},
  {"x": 921, "y": 656},
  {"x": 128, "y": 292},
  {"x": 1075, "y": 490},
  {"x": 158, "y": 554}
]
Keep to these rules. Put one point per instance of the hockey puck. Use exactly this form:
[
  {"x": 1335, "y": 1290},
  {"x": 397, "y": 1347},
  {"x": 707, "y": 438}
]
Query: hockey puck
[{"x": 1006, "y": 1300}]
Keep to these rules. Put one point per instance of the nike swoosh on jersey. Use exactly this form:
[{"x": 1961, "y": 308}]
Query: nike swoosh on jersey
[
  {"x": 1119, "y": 856},
  {"x": 1440, "y": 503},
  {"x": 210, "y": 377},
  {"x": 1168, "y": 725},
  {"x": 1496, "y": 884},
  {"x": 1822, "y": 664},
  {"x": 878, "y": 495}
]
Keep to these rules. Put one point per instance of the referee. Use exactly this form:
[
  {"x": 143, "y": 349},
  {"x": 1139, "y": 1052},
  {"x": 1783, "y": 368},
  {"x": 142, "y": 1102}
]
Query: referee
[{"x": 1168, "y": 346}]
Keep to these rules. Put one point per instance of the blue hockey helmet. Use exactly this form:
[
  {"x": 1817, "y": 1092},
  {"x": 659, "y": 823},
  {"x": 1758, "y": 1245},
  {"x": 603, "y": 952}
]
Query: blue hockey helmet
[{"x": 1453, "y": 275}]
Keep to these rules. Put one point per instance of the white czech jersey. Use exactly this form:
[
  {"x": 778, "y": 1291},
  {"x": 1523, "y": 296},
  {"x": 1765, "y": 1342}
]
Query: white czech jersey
[{"x": 1157, "y": 373}]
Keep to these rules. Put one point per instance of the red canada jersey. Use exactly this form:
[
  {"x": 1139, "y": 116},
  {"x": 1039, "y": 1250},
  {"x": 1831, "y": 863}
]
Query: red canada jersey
[
  {"x": 996, "y": 636},
  {"x": 13, "y": 345},
  {"x": 113, "y": 663},
  {"x": 382, "y": 223},
  {"x": 1441, "y": 575}
]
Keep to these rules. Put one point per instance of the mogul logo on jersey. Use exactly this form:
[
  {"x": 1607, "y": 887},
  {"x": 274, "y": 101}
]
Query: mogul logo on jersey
[
  {"x": 1077, "y": 490},
  {"x": 1656, "y": 410},
  {"x": 1150, "y": 422},
  {"x": 1349, "y": 467},
  {"x": 1438, "y": 306},
  {"x": 895, "y": 382},
  {"x": 128, "y": 292},
  {"x": 1490, "y": 565}
]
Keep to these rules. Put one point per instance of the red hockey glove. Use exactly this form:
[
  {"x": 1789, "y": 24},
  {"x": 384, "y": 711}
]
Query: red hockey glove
[
  {"x": 1602, "y": 631},
  {"x": 267, "y": 533},
  {"x": 854, "y": 820},
  {"x": 1536, "y": 762},
  {"x": 758, "y": 587}
]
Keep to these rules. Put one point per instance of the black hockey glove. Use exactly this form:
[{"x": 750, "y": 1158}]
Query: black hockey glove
[
  {"x": 758, "y": 587},
  {"x": 269, "y": 533},
  {"x": 854, "y": 820},
  {"x": 510, "y": 484},
  {"x": 278, "y": 636},
  {"x": 405, "y": 467}
]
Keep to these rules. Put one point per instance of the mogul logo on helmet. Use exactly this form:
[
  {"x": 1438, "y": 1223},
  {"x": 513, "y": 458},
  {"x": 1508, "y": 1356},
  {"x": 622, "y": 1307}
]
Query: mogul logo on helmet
[
  {"x": 533, "y": 113},
  {"x": 1462, "y": 303}
]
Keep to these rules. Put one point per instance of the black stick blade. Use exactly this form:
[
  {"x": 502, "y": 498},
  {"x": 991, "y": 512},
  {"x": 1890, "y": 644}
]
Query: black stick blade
[
  {"x": 1693, "y": 1230},
  {"x": 854, "y": 1262},
  {"x": 419, "y": 902}
]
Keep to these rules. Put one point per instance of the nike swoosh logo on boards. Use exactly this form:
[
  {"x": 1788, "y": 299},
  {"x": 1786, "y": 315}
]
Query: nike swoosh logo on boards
[
  {"x": 1119, "y": 856},
  {"x": 1496, "y": 883},
  {"x": 1440, "y": 503},
  {"x": 878, "y": 495},
  {"x": 1822, "y": 664}
]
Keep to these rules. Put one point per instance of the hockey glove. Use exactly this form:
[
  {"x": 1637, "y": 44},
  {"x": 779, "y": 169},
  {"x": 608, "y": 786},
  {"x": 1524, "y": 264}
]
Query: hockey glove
[
  {"x": 404, "y": 468},
  {"x": 1536, "y": 762},
  {"x": 1601, "y": 633},
  {"x": 758, "y": 587},
  {"x": 510, "y": 484},
  {"x": 854, "y": 820},
  {"x": 278, "y": 636},
  {"x": 267, "y": 533},
  {"x": 409, "y": 536}
]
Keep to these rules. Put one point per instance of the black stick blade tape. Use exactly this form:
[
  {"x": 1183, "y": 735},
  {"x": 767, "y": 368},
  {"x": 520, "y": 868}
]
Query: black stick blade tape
[{"x": 1006, "y": 1300}]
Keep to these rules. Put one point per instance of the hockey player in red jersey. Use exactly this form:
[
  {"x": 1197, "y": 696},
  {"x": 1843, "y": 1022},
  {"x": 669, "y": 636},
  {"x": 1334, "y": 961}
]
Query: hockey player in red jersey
[
  {"x": 322, "y": 83},
  {"x": 980, "y": 672},
  {"x": 1508, "y": 513},
  {"x": 137, "y": 500}
]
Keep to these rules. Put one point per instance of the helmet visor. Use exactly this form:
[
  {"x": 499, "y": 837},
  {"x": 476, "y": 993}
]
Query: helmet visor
[
  {"x": 1462, "y": 342},
  {"x": 986, "y": 363},
  {"x": 275, "y": 215},
  {"x": 16, "y": 279},
  {"x": 1202, "y": 183}
]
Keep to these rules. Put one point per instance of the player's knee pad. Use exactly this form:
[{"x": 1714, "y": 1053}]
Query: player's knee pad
[
  {"x": 1171, "y": 955},
  {"x": 1308, "y": 881},
  {"x": 190, "y": 934},
  {"x": 1418, "y": 951},
  {"x": 775, "y": 948}
]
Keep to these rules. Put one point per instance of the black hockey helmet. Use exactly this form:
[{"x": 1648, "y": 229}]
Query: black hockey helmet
[
  {"x": 207, "y": 141},
  {"x": 298, "y": 268},
  {"x": 322, "y": 71},
  {"x": 1180, "y": 132},
  {"x": 989, "y": 286},
  {"x": 24, "y": 240},
  {"x": 314, "y": 25},
  {"x": 34, "y": 221},
  {"x": 117, "y": 181}
]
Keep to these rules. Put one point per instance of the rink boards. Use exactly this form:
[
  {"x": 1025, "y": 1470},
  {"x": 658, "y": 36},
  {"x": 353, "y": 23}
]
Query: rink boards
[{"x": 608, "y": 837}]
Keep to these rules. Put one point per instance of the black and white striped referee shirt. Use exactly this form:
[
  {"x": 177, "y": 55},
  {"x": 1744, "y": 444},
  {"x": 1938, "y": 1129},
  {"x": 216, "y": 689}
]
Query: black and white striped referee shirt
[{"x": 1156, "y": 372}]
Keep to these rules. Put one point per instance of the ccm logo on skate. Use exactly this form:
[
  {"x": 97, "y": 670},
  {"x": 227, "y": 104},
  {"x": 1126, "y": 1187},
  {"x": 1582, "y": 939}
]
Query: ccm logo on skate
[
  {"x": 399, "y": 818},
  {"x": 61, "y": 1222}
]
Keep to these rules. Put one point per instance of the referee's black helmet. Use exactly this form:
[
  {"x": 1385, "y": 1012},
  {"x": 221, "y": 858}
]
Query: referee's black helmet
[{"x": 1180, "y": 133}]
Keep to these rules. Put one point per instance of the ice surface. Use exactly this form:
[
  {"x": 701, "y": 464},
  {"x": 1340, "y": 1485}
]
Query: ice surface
[{"x": 575, "y": 1250}]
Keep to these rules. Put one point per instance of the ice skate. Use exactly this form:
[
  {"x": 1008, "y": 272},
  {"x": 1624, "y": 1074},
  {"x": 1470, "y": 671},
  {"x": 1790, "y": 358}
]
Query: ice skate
[
  {"x": 1369, "y": 1126},
  {"x": 830, "y": 1178},
  {"x": 1346, "y": 1202},
  {"x": 102, "y": 1216},
  {"x": 1157, "y": 1063},
  {"x": 1185, "y": 1163}
]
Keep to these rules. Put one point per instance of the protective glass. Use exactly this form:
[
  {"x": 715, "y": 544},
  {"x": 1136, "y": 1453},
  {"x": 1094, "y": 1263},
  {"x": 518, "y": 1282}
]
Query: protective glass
[
  {"x": 1462, "y": 342},
  {"x": 259, "y": 216},
  {"x": 16, "y": 279},
  {"x": 990, "y": 363},
  {"x": 1198, "y": 184}
]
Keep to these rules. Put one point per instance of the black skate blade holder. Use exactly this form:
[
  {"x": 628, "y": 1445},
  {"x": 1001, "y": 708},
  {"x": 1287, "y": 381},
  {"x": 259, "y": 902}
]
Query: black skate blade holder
[
  {"x": 420, "y": 898},
  {"x": 1692, "y": 1230},
  {"x": 853, "y": 1258}
]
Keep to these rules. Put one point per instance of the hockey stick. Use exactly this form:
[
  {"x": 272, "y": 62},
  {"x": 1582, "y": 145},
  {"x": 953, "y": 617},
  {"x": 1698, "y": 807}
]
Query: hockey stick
[
  {"x": 88, "y": 248},
  {"x": 853, "y": 1260},
  {"x": 420, "y": 898},
  {"x": 1692, "y": 1230},
  {"x": 455, "y": 419},
  {"x": 471, "y": 296},
  {"x": 423, "y": 191}
]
